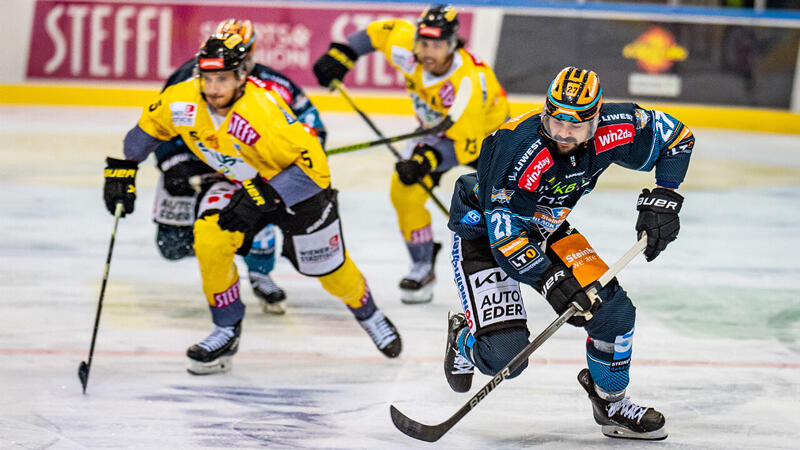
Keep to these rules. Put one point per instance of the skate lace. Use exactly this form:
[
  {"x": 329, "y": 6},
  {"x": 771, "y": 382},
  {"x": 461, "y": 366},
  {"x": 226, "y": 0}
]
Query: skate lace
[
  {"x": 378, "y": 329},
  {"x": 627, "y": 409},
  {"x": 219, "y": 337},
  {"x": 419, "y": 271},
  {"x": 264, "y": 283},
  {"x": 461, "y": 364}
]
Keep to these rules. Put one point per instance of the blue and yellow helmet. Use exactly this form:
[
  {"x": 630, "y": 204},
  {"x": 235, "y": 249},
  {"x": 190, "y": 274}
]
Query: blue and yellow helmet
[{"x": 574, "y": 95}]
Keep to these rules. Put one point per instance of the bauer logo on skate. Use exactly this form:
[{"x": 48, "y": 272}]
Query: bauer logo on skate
[
  {"x": 612, "y": 136},
  {"x": 241, "y": 129},
  {"x": 226, "y": 298},
  {"x": 533, "y": 173}
]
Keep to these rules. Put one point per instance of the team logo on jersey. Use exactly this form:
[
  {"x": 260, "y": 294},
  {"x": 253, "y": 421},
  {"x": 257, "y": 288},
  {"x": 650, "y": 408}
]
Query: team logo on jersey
[
  {"x": 242, "y": 130},
  {"x": 501, "y": 195},
  {"x": 611, "y": 136},
  {"x": 533, "y": 173},
  {"x": 641, "y": 118},
  {"x": 183, "y": 113},
  {"x": 448, "y": 94}
]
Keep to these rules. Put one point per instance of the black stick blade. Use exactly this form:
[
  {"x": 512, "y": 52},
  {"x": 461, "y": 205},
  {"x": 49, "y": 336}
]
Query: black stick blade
[
  {"x": 416, "y": 430},
  {"x": 83, "y": 374}
]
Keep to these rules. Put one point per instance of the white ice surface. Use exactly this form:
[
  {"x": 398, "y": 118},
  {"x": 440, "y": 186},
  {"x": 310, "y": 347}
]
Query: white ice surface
[{"x": 716, "y": 347}]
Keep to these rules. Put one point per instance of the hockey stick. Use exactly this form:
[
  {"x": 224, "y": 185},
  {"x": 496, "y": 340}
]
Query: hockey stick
[
  {"x": 340, "y": 87},
  {"x": 432, "y": 433},
  {"x": 389, "y": 140},
  {"x": 83, "y": 369}
]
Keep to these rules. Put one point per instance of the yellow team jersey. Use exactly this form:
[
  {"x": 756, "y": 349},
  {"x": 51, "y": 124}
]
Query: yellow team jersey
[
  {"x": 259, "y": 135},
  {"x": 469, "y": 92}
]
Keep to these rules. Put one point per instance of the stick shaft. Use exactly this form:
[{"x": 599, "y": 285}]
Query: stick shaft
[
  {"x": 117, "y": 215},
  {"x": 340, "y": 87}
]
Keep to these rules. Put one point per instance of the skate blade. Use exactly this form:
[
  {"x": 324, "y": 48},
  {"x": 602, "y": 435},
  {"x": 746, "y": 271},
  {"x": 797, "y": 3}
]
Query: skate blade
[
  {"x": 219, "y": 365},
  {"x": 618, "y": 432},
  {"x": 418, "y": 296},
  {"x": 275, "y": 309}
]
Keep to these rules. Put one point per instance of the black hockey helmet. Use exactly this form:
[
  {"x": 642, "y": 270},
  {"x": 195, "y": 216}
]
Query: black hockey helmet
[
  {"x": 222, "y": 52},
  {"x": 438, "y": 22}
]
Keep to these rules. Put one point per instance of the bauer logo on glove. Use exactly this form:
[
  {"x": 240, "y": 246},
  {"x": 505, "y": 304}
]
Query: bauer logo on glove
[
  {"x": 120, "y": 184},
  {"x": 250, "y": 207}
]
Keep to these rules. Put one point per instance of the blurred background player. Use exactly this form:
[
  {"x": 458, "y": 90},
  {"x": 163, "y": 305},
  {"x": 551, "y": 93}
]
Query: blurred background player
[
  {"x": 444, "y": 80},
  {"x": 509, "y": 224},
  {"x": 275, "y": 171},
  {"x": 176, "y": 198}
]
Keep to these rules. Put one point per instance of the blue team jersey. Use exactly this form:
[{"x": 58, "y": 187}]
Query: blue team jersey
[{"x": 524, "y": 190}]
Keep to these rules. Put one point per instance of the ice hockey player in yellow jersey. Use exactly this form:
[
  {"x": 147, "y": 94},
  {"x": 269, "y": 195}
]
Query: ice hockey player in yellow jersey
[
  {"x": 273, "y": 170},
  {"x": 446, "y": 82}
]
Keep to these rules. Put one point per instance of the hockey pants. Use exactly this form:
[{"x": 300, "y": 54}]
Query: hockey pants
[{"x": 608, "y": 348}]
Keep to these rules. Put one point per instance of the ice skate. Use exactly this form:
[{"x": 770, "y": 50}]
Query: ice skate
[
  {"x": 383, "y": 333},
  {"x": 623, "y": 418},
  {"x": 270, "y": 296},
  {"x": 214, "y": 353},
  {"x": 417, "y": 286},
  {"x": 457, "y": 369}
]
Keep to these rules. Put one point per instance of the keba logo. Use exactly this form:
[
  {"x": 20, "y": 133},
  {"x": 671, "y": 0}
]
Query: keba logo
[
  {"x": 448, "y": 94},
  {"x": 241, "y": 129},
  {"x": 611, "y": 136},
  {"x": 533, "y": 173},
  {"x": 334, "y": 241}
]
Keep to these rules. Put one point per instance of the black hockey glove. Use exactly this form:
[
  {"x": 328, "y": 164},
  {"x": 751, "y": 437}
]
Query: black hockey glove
[
  {"x": 423, "y": 161},
  {"x": 658, "y": 217},
  {"x": 178, "y": 168},
  {"x": 250, "y": 206},
  {"x": 561, "y": 289},
  {"x": 120, "y": 186},
  {"x": 334, "y": 64}
]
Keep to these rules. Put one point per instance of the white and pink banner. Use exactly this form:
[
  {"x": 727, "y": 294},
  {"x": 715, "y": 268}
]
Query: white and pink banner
[{"x": 146, "y": 41}]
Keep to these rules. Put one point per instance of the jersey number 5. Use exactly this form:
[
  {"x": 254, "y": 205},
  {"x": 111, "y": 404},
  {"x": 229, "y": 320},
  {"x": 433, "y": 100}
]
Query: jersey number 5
[{"x": 307, "y": 159}]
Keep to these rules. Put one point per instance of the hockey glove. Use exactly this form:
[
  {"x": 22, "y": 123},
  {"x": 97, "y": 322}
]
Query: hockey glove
[
  {"x": 423, "y": 161},
  {"x": 178, "y": 168},
  {"x": 658, "y": 217},
  {"x": 120, "y": 185},
  {"x": 561, "y": 290},
  {"x": 334, "y": 64},
  {"x": 250, "y": 207}
]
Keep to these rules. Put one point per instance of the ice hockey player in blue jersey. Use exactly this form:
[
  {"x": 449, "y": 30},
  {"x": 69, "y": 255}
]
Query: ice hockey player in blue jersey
[
  {"x": 176, "y": 196},
  {"x": 509, "y": 227}
]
